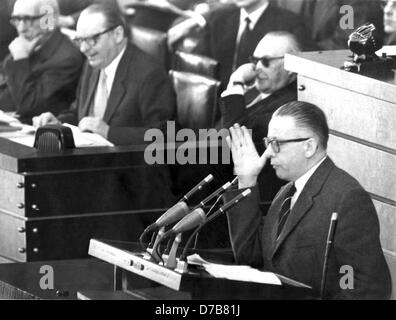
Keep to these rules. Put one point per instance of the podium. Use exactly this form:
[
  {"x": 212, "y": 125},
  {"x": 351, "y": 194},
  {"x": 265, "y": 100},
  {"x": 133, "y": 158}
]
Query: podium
[{"x": 143, "y": 279}]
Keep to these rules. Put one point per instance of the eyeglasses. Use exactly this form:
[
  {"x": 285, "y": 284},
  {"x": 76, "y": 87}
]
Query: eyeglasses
[
  {"x": 29, "y": 20},
  {"x": 275, "y": 143},
  {"x": 264, "y": 60},
  {"x": 92, "y": 40}
]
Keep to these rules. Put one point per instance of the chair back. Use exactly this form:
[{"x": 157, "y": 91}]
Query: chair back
[
  {"x": 197, "y": 98},
  {"x": 194, "y": 63},
  {"x": 152, "y": 42}
]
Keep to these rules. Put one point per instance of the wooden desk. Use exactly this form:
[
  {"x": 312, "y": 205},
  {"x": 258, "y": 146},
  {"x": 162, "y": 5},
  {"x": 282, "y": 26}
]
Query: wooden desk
[
  {"x": 52, "y": 204},
  {"x": 361, "y": 113}
]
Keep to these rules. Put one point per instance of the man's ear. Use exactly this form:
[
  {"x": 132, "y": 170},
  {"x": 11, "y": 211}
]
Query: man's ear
[
  {"x": 120, "y": 33},
  {"x": 310, "y": 147}
]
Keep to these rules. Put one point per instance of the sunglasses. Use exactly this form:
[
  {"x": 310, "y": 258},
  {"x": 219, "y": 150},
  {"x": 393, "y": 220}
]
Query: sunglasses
[
  {"x": 265, "y": 61},
  {"x": 16, "y": 19},
  {"x": 92, "y": 40},
  {"x": 275, "y": 143}
]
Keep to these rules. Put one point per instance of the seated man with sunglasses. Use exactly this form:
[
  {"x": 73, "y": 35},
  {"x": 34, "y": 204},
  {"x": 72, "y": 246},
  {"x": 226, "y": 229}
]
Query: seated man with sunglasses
[
  {"x": 257, "y": 89},
  {"x": 43, "y": 68},
  {"x": 291, "y": 239},
  {"x": 123, "y": 91}
]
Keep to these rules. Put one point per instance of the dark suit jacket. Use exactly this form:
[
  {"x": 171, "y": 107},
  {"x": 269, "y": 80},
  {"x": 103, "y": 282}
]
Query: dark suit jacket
[
  {"x": 233, "y": 110},
  {"x": 322, "y": 19},
  {"x": 257, "y": 118},
  {"x": 141, "y": 98},
  {"x": 46, "y": 81},
  {"x": 219, "y": 40},
  {"x": 299, "y": 252}
]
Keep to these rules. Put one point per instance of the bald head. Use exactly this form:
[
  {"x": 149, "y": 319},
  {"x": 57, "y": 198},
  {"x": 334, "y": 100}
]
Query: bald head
[
  {"x": 35, "y": 17},
  {"x": 277, "y": 43},
  {"x": 270, "y": 72},
  {"x": 36, "y": 7}
]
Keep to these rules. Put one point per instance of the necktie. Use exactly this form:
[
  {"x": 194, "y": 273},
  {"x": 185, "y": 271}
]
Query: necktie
[
  {"x": 285, "y": 209},
  {"x": 242, "y": 52},
  {"x": 101, "y": 96}
]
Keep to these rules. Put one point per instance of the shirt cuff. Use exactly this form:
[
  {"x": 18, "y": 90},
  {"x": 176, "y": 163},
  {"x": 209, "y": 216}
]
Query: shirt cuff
[{"x": 233, "y": 90}]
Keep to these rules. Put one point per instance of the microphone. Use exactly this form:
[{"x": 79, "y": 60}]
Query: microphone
[
  {"x": 213, "y": 195},
  {"x": 190, "y": 221},
  {"x": 198, "y": 187},
  {"x": 234, "y": 201},
  {"x": 179, "y": 210},
  {"x": 329, "y": 243}
]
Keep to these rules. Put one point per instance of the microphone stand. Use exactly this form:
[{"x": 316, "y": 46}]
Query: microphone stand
[
  {"x": 329, "y": 243},
  {"x": 233, "y": 182}
]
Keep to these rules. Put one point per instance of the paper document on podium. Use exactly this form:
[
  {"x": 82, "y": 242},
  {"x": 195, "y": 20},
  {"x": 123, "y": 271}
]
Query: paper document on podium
[
  {"x": 87, "y": 139},
  {"x": 234, "y": 272}
]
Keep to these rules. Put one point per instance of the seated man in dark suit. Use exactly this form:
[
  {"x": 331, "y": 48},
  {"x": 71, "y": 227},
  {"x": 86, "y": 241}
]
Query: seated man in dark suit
[
  {"x": 43, "y": 67},
  {"x": 272, "y": 87},
  {"x": 291, "y": 239},
  {"x": 232, "y": 34},
  {"x": 122, "y": 91}
]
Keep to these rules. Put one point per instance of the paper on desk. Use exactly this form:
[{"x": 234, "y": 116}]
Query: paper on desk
[
  {"x": 86, "y": 139},
  {"x": 26, "y": 136},
  {"x": 234, "y": 272},
  {"x": 8, "y": 118}
]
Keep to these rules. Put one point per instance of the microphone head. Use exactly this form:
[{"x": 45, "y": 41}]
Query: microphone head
[
  {"x": 173, "y": 214},
  {"x": 334, "y": 216},
  {"x": 190, "y": 221}
]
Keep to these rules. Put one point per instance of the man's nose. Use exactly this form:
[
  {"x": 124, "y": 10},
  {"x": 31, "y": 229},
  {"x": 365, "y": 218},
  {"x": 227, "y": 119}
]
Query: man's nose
[
  {"x": 84, "y": 47},
  {"x": 270, "y": 152},
  {"x": 22, "y": 27}
]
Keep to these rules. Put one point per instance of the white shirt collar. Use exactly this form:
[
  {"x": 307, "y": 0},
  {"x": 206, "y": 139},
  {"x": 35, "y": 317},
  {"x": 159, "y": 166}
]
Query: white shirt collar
[
  {"x": 302, "y": 181},
  {"x": 111, "y": 69},
  {"x": 254, "y": 16}
]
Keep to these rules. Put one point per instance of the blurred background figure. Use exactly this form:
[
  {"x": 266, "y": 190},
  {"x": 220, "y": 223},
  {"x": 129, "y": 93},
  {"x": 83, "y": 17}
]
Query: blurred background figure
[
  {"x": 389, "y": 7},
  {"x": 7, "y": 31},
  {"x": 322, "y": 18},
  {"x": 43, "y": 67}
]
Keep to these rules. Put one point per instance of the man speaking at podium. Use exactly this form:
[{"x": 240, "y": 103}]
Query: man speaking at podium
[{"x": 291, "y": 239}]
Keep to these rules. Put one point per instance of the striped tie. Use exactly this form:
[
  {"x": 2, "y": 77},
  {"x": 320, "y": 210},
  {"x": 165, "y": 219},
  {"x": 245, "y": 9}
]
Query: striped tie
[{"x": 285, "y": 209}]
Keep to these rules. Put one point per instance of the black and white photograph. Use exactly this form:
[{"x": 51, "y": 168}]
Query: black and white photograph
[{"x": 198, "y": 155}]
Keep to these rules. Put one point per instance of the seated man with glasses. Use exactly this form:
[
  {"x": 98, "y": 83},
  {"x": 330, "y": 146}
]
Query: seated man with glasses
[
  {"x": 42, "y": 71},
  {"x": 122, "y": 91},
  {"x": 257, "y": 89},
  {"x": 291, "y": 239}
]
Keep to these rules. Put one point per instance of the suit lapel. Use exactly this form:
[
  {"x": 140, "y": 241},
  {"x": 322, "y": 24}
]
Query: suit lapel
[
  {"x": 93, "y": 79},
  {"x": 303, "y": 203},
  {"x": 118, "y": 89}
]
